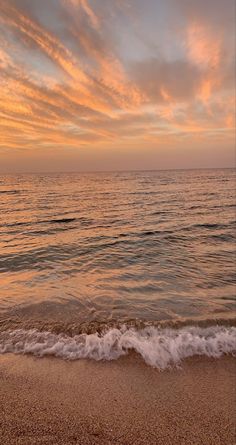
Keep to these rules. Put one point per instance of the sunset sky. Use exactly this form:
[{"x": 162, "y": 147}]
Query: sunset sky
[{"x": 116, "y": 84}]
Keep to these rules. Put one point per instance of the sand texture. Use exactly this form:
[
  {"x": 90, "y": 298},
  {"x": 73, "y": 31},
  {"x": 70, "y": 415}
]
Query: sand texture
[{"x": 51, "y": 401}]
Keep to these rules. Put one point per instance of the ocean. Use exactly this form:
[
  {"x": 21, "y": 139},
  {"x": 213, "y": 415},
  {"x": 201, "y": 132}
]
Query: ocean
[{"x": 95, "y": 265}]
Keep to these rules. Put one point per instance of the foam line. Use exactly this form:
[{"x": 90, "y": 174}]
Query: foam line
[{"x": 160, "y": 348}]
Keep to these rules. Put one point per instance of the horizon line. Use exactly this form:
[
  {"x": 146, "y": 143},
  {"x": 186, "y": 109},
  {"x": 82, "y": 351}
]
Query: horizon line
[{"x": 113, "y": 171}]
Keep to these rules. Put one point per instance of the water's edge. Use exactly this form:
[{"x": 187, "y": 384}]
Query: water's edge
[{"x": 159, "y": 347}]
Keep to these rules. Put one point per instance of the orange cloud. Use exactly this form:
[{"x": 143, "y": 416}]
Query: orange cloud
[
  {"x": 44, "y": 40},
  {"x": 205, "y": 90},
  {"x": 204, "y": 48},
  {"x": 5, "y": 59},
  {"x": 95, "y": 92},
  {"x": 84, "y": 4}
]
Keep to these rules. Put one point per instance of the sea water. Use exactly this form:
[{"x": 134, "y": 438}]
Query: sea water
[{"x": 93, "y": 265}]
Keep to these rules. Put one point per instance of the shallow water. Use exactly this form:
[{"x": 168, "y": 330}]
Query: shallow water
[{"x": 115, "y": 247}]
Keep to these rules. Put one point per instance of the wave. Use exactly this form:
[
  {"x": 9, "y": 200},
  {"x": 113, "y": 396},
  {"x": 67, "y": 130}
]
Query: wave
[
  {"x": 62, "y": 220},
  {"x": 160, "y": 348},
  {"x": 10, "y": 192}
]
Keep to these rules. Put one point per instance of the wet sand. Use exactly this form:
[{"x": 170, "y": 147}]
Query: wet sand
[{"x": 51, "y": 401}]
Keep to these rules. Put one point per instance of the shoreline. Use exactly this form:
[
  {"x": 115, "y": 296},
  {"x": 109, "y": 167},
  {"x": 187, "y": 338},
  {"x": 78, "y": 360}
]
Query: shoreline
[
  {"x": 160, "y": 348},
  {"x": 122, "y": 402}
]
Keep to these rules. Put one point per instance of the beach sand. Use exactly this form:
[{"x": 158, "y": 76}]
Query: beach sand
[{"x": 51, "y": 401}]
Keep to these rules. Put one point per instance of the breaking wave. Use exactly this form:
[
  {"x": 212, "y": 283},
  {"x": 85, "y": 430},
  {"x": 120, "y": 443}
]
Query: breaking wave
[{"x": 160, "y": 348}]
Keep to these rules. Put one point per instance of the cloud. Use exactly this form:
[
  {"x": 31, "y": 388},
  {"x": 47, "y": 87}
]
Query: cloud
[
  {"x": 166, "y": 81},
  {"x": 203, "y": 47},
  {"x": 77, "y": 73},
  {"x": 84, "y": 4}
]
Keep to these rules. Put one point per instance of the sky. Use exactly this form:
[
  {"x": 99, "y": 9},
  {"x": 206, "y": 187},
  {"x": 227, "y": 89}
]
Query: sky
[{"x": 116, "y": 84}]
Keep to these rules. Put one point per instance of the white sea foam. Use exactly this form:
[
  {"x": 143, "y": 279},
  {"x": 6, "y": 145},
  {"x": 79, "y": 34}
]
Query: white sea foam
[{"x": 160, "y": 348}]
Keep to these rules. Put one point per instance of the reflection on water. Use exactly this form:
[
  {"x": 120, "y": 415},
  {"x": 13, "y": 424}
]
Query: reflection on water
[{"x": 97, "y": 247}]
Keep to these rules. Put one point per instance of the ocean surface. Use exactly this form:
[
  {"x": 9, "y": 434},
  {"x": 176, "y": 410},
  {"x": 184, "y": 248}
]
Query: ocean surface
[{"x": 96, "y": 264}]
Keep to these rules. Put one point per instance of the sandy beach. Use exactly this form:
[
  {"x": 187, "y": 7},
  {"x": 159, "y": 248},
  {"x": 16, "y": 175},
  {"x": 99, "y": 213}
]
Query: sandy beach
[{"x": 51, "y": 401}]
